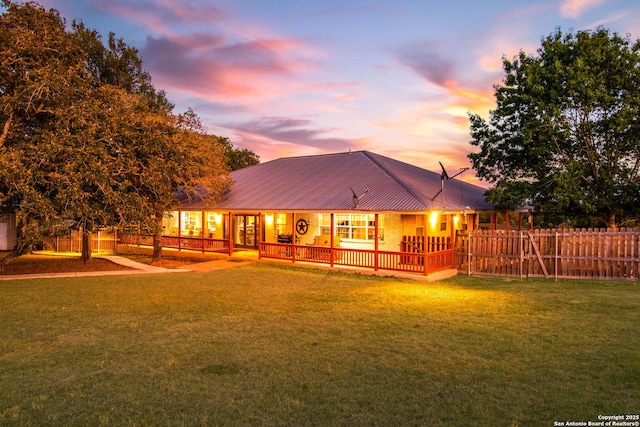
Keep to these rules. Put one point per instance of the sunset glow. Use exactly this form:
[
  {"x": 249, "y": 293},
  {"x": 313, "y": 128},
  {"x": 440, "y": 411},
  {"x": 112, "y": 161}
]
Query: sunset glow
[{"x": 299, "y": 78}]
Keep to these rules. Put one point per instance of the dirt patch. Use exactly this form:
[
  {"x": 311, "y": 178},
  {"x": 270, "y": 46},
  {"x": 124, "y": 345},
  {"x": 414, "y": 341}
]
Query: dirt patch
[{"x": 39, "y": 264}]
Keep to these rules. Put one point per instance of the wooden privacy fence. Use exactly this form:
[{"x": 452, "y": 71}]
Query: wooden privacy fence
[
  {"x": 103, "y": 241},
  {"x": 556, "y": 253}
]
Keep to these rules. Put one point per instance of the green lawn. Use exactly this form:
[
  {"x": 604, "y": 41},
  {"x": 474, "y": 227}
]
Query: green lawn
[{"x": 270, "y": 345}]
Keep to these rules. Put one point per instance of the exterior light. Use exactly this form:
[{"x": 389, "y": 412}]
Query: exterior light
[{"x": 433, "y": 219}]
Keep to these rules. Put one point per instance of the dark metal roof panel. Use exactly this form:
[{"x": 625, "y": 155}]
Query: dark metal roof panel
[
  {"x": 457, "y": 194},
  {"x": 324, "y": 183}
]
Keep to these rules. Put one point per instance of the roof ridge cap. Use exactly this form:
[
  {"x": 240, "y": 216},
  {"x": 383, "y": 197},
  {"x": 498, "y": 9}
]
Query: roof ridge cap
[{"x": 393, "y": 176}]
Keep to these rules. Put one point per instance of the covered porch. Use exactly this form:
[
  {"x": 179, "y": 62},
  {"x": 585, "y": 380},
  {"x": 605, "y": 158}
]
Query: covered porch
[
  {"x": 420, "y": 243},
  {"x": 377, "y": 241}
]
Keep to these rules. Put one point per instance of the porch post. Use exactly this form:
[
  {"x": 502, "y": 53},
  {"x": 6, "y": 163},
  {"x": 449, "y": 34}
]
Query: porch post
[
  {"x": 230, "y": 233},
  {"x": 259, "y": 232},
  {"x": 331, "y": 251},
  {"x": 425, "y": 233},
  {"x": 452, "y": 242},
  {"x": 202, "y": 232},
  {"x": 375, "y": 245},
  {"x": 179, "y": 230},
  {"x": 293, "y": 237}
]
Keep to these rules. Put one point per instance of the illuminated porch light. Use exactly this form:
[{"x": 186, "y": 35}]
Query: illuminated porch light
[
  {"x": 433, "y": 219},
  {"x": 268, "y": 219}
]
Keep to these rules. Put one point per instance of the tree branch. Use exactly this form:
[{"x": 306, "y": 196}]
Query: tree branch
[{"x": 5, "y": 129}]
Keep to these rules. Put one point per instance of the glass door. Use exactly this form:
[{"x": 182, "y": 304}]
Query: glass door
[
  {"x": 250, "y": 231},
  {"x": 246, "y": 231}
]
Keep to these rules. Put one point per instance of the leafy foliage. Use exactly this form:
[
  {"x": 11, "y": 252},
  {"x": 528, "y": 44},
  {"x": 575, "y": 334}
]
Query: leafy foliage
[
  {"x": 237, "y": 158},
  {"x": 86, "y": 139},
  {"x": 565, "y": 135}
]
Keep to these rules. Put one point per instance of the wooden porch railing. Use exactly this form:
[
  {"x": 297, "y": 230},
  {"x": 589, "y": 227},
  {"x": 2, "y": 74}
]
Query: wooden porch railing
[
  {"x": 411, "y": 262},
  {"x": 175, "y": 242}
]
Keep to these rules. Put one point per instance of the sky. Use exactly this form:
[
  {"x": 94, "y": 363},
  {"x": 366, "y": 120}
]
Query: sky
[{"x": 293, "y": 77}]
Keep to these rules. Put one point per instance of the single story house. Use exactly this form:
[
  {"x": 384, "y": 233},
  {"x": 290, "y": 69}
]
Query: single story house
[{"x": 353, "y": 209}]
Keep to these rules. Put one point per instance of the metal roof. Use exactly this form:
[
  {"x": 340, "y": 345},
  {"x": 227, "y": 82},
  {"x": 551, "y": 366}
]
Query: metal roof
[{"x": 325, "y": 183}]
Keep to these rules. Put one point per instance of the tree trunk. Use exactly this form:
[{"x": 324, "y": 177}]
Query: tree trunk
[
  {"x": 86, "y": 245},
  {"x": 611, "y": 222},
  {"x": 157, "y": 239}
]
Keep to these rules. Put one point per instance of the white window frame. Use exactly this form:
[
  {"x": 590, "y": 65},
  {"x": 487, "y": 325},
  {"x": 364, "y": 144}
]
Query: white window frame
[{"x": 346, "y": 226}]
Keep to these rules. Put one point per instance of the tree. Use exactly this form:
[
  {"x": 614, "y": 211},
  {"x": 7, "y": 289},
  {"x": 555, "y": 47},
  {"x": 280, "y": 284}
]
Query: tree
[
  {"x": 40, "y": 73},
  {"x": 565, "y": 135},
  {"x": 86, "y": 139},
  {"x": 117, "y": 64},
  {"x": 180, "y": 158},
  {"x": 237, "y": 158}
]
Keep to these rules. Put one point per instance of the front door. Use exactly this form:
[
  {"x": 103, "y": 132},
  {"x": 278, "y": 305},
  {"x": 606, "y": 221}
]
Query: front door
[{"x": 246, "y": 236}]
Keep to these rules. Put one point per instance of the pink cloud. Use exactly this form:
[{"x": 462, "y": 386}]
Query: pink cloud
[
  {"x": 156, "y": 14},
  {"x": 440, "y": 70},
  {"x": 524, "y": 12},
  {"x": 575, "y": 8},
  {"x": 210, "y": 66},
  {"x": 473, "y": 99},
  {"x": 291, "y": 131},
  {"x": 427, "y": 62},
  {"x": 216, "y": 64}
]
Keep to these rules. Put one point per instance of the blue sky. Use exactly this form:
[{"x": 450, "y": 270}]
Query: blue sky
[{"x": 289, "y": 77}]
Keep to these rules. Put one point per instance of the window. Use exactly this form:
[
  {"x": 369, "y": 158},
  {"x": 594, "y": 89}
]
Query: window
[
  {"x": 211, "y": 222},
  {"x": 352, "y": 226},
  {"x": 444, "y": 219},
  {"x": 191, "y": 223},
  {"x": 170, "y": 224},
  {"x": 281, "y": 223}
]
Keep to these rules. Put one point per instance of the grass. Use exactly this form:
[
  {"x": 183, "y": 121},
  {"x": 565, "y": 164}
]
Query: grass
[{"x": 271, "y": 345}]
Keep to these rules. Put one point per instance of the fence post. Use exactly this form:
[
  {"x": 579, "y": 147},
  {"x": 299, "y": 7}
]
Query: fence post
[
  {"x": 555, "y": 267},
  {"x": 638, "y": 256},
  {"x": 521, "y": 255},
  {"x": 469, "y": 256}
]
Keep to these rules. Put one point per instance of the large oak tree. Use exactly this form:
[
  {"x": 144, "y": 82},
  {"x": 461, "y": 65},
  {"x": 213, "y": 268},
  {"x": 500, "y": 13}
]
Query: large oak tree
[
  {"x": 565, "y": 135},
  {"x": 86, "y": 140}
]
